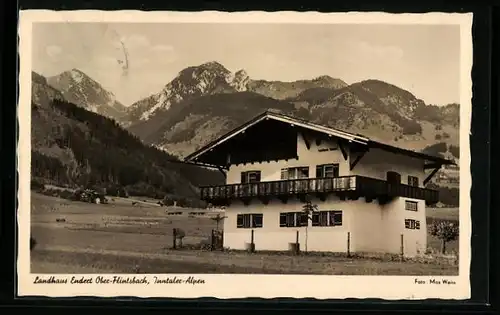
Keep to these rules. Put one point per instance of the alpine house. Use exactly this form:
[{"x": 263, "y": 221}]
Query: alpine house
[{"x": 370, "y": 196}]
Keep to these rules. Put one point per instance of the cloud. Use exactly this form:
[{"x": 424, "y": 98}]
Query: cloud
[
  {"x": 53, "y": 51},
  {"x": 135, "y": 41},
  {"x": 162, "y": 48},
  {"x": 374, "y": 51}
]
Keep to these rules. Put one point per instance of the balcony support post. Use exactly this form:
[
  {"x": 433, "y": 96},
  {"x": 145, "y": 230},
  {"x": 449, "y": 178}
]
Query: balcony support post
[
  {"x": 434, "y": 171},
  {"x": 342, "y": 149},
  {"x": 306, "y": 141},
  {"x": 222, "y": 171},
  {"x": 358, "y": 158}
]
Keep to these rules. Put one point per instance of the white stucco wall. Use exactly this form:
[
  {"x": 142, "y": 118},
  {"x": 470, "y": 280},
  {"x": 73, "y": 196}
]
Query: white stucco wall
[
  {"x": 373, "y": 228},
  {"x": 376, "y": 163},
  {"x": 271, "y": 171},
  {"x": 273, "y": 237}
]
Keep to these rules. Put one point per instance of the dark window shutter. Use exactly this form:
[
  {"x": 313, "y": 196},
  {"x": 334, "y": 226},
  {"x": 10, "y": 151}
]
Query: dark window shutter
[
  {"x": 282, "y": 219},
  {"x": 243, "y": 177},
  {"x": 258, "y": 176},
  {"x": 315, "y": 219},
  {"x": 257, "y": 220},
  {"x": 337, "y": 218},
  {"x": 239, "y": 220},
  {"x": 319, "y": 171},
  {"x": 335, "y": 170}
]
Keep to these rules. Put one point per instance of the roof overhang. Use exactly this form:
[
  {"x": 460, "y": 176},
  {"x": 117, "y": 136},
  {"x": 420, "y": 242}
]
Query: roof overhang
[{"x": 349, "y": 137}]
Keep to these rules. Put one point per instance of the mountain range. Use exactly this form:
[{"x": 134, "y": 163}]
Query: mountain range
[
  {"x": 73, "y": 146},
  {"x": 202, "y": 102},
  {"x": 80, "y": 89}
]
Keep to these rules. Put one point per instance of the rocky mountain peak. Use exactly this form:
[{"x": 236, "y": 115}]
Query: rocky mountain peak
[
  {"x": 204, "y": 79},
  {"x": 239, "y": 80},
  {"x": 79, "y": 88}
]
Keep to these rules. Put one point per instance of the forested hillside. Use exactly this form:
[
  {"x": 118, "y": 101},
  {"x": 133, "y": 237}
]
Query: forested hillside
[{"x": 76, "y": 147}]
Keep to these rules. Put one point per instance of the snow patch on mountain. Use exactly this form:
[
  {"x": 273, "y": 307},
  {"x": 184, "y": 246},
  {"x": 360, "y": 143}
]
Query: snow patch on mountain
[
  {"x": 76, "y": 76},
  {"x": 162, "y": 103}
]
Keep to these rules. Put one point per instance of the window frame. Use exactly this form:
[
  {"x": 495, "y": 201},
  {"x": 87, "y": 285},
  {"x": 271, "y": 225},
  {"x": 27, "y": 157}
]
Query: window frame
[
  {"x": 326, "y": 218},
  {"x": 322, "y": 168},
  {"x": 412, "y": 203},
  {"x": 248, "y": 220},
  {"x": 285, "y": 172},
  {"x": 413, "y": 181},
  {"x": 293, "y": 219},
  {"x": 412, "y": 224}
]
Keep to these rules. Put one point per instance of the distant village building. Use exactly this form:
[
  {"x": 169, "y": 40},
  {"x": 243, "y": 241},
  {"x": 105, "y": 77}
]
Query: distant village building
[{"x": 370, "y": 193}]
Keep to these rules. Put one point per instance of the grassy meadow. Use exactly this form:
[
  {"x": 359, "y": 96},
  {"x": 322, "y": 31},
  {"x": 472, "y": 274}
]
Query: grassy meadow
[{"x": 134, "y": 235}]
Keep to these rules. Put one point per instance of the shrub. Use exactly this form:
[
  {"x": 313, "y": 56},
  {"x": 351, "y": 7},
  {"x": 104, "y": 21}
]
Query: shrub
[
  {"x": 445, "y": 231},
  {"x": 37, "y": 185}
]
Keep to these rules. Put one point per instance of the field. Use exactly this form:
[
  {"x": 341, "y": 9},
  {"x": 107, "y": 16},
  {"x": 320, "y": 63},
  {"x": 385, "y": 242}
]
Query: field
[{"x": 77, "y": 237}]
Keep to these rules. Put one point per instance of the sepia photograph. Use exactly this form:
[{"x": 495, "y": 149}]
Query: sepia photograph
[{"x": 210, "y": 148}]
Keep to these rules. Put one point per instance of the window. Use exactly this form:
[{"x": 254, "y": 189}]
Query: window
[
  {"x": 327, "y": 170},
  {"x": 295, "y": 173},
  {"x": 249, "y": 220},
  {"x": 412, "y": 224},
  {"x": 411, "y": 205},
  {"x": 413, "y": 181},
  {"x": 293, "y": 219},
  {"x": 393, "y": 177},
  {"x": 250, "y": 177},
  {"x": 327, "y": 218}
]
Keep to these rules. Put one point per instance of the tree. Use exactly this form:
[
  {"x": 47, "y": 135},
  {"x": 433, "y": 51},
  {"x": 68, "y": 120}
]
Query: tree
[
  {"x": 218, "y": 218},
  {"x": 307, "y": 210},
  {"x": 445, "y": 231}
]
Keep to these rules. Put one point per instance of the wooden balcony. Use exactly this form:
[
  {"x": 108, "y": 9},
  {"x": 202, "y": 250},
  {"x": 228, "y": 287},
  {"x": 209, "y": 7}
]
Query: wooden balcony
[{"x": 346, "y": 187}]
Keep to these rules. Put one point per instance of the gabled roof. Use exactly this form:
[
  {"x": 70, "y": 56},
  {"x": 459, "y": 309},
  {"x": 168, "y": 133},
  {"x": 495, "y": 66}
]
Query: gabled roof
[{"x": 350, "y": 137}]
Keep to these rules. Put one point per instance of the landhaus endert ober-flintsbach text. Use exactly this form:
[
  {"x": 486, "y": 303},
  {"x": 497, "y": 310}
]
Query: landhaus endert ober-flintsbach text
[{"x": 370, "y": 196}]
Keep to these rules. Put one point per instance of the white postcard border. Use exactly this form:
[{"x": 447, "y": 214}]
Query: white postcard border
[{"x": 242, "y": 286}]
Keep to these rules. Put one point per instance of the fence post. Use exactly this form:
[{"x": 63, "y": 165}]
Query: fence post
[
  {"x": 212, "y": 240},
  {"x": 174, "y": 233},
  {"x": 402, "y": 247},
  {"x": 252, "y": 243},
  {"x": 348, "y": 244},
  {"x": 297, "y": 244}
]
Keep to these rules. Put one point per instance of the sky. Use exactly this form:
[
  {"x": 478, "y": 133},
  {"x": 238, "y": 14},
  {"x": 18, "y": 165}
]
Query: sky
[{"x": 423, "y": 59}]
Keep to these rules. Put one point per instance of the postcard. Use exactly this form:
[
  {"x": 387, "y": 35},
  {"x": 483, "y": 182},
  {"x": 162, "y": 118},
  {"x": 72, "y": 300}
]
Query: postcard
[{"x": 249, "y": 154}]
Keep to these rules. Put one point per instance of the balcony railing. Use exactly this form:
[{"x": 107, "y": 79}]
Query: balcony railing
[{"x": 357, "y": 185}]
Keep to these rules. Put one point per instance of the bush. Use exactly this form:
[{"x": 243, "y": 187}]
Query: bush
[
  {"x": 37, "y": 185},
  {"x": 445, "y": 231}
]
